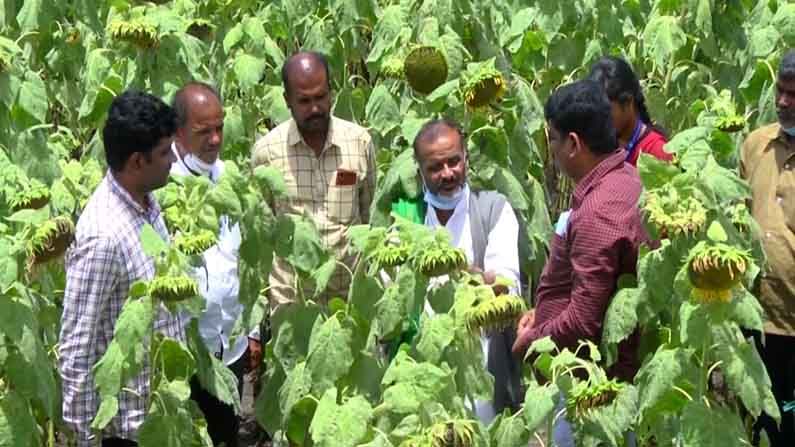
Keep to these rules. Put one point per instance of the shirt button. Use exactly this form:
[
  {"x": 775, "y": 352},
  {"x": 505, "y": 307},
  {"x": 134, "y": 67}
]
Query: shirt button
[
  {"x": 786, "y": 166},
  {"x": 768, "y": 235},
  {"x": 779, "y": 199}
]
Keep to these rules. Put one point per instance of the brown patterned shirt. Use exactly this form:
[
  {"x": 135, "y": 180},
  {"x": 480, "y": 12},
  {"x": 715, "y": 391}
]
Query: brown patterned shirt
[
  {"x": 767, "y": 162},
  {"x": 334, "y": 189}
]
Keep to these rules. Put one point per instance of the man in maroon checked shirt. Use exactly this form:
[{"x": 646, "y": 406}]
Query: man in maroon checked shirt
[{"x": 598, "y": 240}]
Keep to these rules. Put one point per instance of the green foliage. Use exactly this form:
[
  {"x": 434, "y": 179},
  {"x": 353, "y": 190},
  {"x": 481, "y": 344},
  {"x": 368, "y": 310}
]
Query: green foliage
[{"x": 708, "y": 73}]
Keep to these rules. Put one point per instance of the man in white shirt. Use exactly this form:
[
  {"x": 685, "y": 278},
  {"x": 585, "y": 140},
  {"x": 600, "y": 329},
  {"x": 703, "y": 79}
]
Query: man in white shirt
[
  {"x": 481, "y": 223},
  {"x": 197, "y": 145}
]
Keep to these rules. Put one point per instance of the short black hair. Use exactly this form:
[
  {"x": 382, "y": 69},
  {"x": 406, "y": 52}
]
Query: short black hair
[
  {"x": 786, "y": 69},
  {"x": 582, "y": 107},
  {"x": 136, "y": 122},
  {"x": 316, "y": 55},
  {"x": 433, "y": 128},
  {"x": 180, "y": 101}
]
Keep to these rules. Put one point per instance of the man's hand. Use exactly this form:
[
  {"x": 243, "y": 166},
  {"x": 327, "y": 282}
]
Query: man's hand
[
  {"x": 523, "y": 333},
  {"x": 254, "y": 354},
  {"x": 489, "y": 278}
]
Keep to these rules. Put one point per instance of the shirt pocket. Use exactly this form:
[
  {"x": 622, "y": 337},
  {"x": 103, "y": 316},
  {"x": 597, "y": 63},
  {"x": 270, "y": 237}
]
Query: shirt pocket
[
  {"x": 342, "y": 203},
  {"x": 559, "y": 272}
]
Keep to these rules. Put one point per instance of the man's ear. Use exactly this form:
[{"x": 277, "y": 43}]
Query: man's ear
[{"x": 576, "y": 144}]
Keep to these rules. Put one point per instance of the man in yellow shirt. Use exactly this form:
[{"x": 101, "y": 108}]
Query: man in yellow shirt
[
  {"x": 767, "y": 162},
  {"x": 328, "y": 166}
]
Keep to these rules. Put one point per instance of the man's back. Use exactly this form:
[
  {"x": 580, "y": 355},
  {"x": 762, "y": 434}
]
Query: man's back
[{"x": 599, "y": 244}]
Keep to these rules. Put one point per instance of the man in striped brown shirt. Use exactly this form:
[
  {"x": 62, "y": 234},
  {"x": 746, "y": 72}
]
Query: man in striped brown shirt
[{"x": 598, "y": 240}]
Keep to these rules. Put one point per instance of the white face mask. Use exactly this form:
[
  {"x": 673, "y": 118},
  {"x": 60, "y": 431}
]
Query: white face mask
[
  {"x": 196, "y": 164},
  {"x": 443, "y": 202}
]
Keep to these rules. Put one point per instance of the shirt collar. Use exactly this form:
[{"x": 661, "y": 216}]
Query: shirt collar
[
  {"x": 124, "y": 196},
  {"x": 616, "y": 160},
  {"x": 294, "y": 136}
]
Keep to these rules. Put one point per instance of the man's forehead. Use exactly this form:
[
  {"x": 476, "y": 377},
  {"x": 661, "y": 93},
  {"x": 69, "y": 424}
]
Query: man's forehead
[{"x": 441, "y": 144}]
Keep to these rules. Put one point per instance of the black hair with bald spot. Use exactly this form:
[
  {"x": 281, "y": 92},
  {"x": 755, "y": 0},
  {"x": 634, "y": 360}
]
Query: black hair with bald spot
[
  {"x": 314, "y": 55},
  {"x": 433, "y": 128}
]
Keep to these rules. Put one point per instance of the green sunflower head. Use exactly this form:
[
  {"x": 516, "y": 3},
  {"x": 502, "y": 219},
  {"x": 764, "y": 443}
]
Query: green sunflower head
[
  {"x": 482, "y": 84},
  {"x": 714, "y": 269},
  {"x": 425, "y": 68},
  {"x": 50, "y": 240},
  {"x": 173, "y": 288}
]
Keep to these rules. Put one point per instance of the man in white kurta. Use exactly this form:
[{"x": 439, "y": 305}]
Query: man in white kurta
[{"x": 482, "y": 224}]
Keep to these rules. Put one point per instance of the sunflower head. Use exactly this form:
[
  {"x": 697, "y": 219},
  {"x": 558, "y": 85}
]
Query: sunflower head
[
  {"x": 196, "y": 242},
  {"x": 714, "y": 269},
  {"x": 35, "y": 196},
  {"x": 425, "y": 68},
  {"x": 201, "y": 29},
  {"x": 672, "y": 214},
  {"x": 50, "y": 240},
  {"x": 585, "y": 396},
  {"x": 173, "y": 288},
  {"x": 137, "y": 32},
  {"x": 496, "y": 313},
  {"x": 482, "y": 84}
]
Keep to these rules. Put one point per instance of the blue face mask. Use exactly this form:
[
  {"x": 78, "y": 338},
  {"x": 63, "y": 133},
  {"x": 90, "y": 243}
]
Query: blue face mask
[
  {"x": 441, "y": 202},
  {"x": 789, "y": 131}
]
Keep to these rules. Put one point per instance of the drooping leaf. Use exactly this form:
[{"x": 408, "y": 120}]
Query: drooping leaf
[
  {"x": 330, "y": 355},
  {"x": 340, "y": 425}
]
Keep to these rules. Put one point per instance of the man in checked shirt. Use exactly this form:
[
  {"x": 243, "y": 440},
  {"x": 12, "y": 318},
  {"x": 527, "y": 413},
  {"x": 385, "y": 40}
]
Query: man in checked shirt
[
  {"x": 596, "y": 242},
  {"x": 106, "y": 258},
  {"x": 328, "y": 166}
]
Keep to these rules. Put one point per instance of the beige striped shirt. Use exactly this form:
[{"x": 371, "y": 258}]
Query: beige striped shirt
[{"x": 316, "y": 189}]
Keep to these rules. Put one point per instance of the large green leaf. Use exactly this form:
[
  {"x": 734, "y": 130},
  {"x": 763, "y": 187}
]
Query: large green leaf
[
  {"x": 436, "y": 333},
  {"x": 17, "y": 424},
  {"x": 621, "y": 319},
  {"x": 382, "y": 111},
  {"x": 657, "y": 378},
  {"x": 699, "y": 429},
  {"x": 664, "y": 37},
  {"x": 539, "y": 404},
  {"x": 409, "y": 384},
  {"x": 330, "y": 355},
  {"x": 340, "y": 425},
  {"x": 124, "y": 357},
  {"x": 248, "y": 70},
  {"x": 744, "y": 371}
]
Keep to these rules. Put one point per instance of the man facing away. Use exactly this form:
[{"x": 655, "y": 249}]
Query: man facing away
[
  {"x": 596, "y": 242},
  {"x": 328, "y": 166},
  {"x": 106, "y": 257},
  {"x": 197, "y": 146},
  {"x": 767, "y": 162}
]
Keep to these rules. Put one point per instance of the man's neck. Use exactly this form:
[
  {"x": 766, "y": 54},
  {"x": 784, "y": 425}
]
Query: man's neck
[
  {"x": 443, "y": 215},
  {"x": 138, "y": 196},
  {"x": 591, "y": 164},
  {"x": 315, "y": 140}
]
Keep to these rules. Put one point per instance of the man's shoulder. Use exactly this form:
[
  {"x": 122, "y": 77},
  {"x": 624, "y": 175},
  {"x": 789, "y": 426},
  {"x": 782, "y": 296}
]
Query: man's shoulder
[
  {"x": 759, "y": 139},
  {"x": 277, "y": 135},
  {"x": 615, "y": 195},
  {"x": 349, "y": 130},
  {"x": 487, "y": 196}
]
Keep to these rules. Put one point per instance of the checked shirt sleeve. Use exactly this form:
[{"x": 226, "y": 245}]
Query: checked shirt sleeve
[
  {"x": 92, "y": 271},
  {"x": 368, "y": 188}
]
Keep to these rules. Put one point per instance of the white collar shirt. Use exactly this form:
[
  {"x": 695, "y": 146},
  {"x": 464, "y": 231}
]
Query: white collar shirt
[
  {"x": 218, "y": 281},
  {"x": 501, "y": 256}
]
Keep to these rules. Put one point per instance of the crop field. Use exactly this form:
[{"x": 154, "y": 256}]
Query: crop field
[{"x": 708, "y": 71}]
